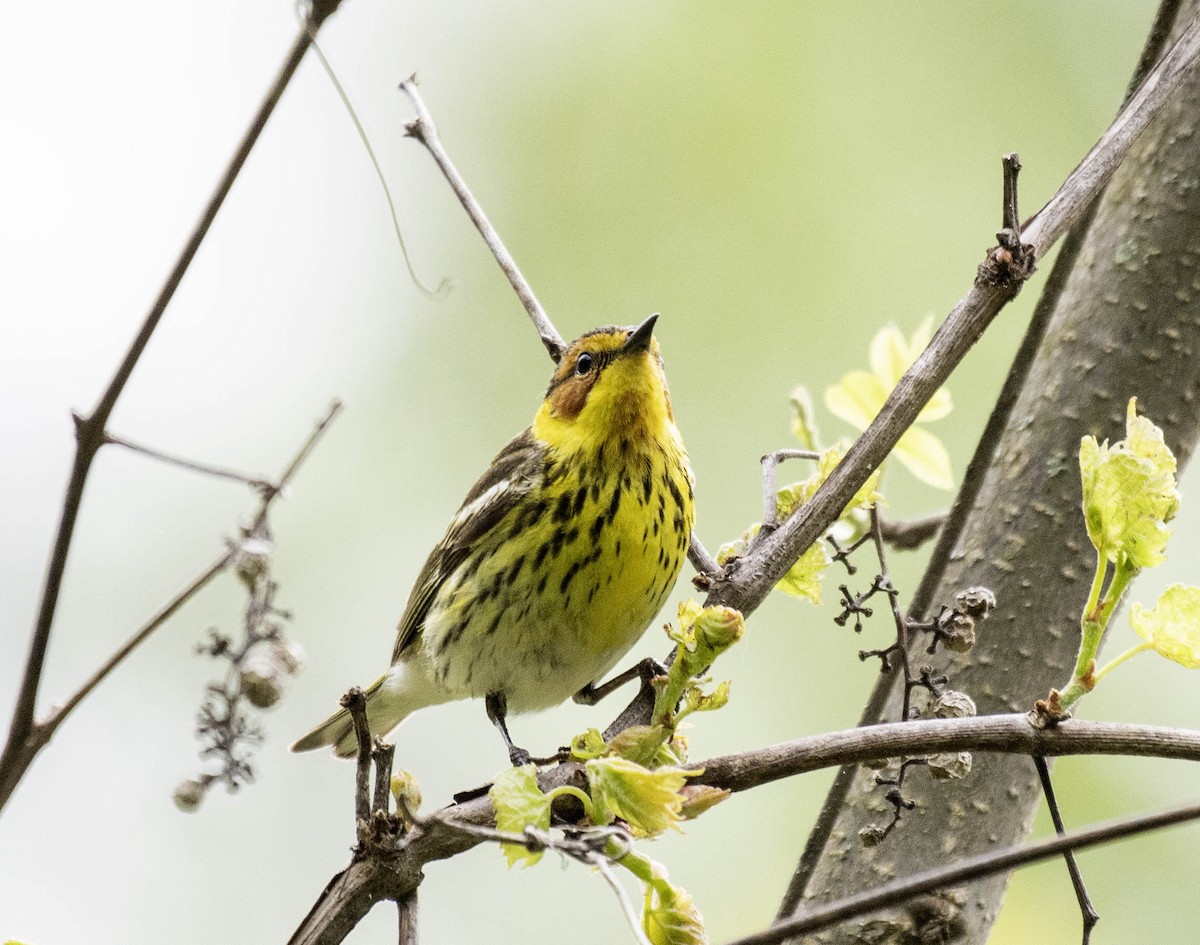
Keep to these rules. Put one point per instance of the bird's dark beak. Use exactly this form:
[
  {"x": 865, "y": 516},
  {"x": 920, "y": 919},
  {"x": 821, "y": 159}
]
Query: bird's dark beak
[{"x": 639, "y": 339}]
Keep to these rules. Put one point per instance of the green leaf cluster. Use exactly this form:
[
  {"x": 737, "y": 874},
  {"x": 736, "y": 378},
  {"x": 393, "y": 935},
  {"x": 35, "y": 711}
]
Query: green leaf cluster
[
  {"x": 1129, "y": 496},
  {"x": 1129, "y": 493},
  {"x": 637, "y": 778}
]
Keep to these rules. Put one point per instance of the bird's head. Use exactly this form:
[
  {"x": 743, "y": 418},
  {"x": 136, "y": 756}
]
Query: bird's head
[{"x": 609, "y": 382}]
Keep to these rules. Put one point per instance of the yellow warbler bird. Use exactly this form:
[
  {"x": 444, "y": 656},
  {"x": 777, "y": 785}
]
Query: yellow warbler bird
[{"x": 561, "y": 555}]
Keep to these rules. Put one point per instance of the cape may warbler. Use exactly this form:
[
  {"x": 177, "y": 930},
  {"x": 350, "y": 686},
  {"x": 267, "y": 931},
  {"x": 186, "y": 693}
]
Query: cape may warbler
[{"x": 561, "y": 555}]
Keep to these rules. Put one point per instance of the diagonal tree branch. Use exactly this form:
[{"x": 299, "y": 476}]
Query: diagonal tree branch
[
  {"x": 425, "y": 131},
  {"x": 749, "y": 579}
]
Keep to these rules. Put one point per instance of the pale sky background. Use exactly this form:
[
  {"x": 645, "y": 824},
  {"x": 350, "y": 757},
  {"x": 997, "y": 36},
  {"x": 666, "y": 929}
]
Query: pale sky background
[{"x": 779, "y": 181}]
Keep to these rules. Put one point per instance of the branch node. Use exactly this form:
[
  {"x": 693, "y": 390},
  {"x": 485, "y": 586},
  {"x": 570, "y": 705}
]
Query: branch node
[{"x": 1012, "y": 262}]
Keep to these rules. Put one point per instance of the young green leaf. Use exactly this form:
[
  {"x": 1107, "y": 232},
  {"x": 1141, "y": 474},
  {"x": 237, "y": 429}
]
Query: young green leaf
[
  {"x": 803, "y": 579},
  {"x": 697, "y": 700},
  {"x": 649, "y": 801},
  {"x": 520, "y": 803},
  {"x": 1172, "y": 628},
  {"x": 406, "y": 791},
  {"x": 1129, "y": 493}
]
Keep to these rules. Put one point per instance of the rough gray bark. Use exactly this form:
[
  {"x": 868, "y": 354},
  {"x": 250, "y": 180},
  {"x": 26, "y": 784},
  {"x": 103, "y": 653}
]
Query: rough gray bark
[{"x": 1126, "y": 323}]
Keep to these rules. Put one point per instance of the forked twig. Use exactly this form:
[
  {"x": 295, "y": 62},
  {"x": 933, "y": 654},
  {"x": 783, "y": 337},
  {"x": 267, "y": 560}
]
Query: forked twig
[
  {"x": 769, "y": 462},
  {"x": 206, "y": 469},
  {"x": 40, "y": 732},
  {"x": 90, "y": 430}
]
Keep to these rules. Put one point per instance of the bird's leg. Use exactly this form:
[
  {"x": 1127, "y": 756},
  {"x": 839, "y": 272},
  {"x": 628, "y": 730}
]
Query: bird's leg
[
  {"x": 646, "y": 670},
  {"x": 497, "y": 710}
]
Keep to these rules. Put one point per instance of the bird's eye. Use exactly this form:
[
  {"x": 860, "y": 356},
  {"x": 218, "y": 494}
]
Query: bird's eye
[{"x": 584, "y": 364}]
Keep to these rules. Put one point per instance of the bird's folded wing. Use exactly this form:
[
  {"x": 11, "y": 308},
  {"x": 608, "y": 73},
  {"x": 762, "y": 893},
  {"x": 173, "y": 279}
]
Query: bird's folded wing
[{"x": 512, "y": 474}]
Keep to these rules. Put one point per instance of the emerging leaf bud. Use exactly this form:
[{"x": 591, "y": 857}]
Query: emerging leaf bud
[
  {"x": 406, "y": 791},
  {"x": 718, "y": 628},
  {"x": 671, "y": 917},
  {"x": 697, "y": 798},
  {"x": 638, "y": 743},
  {"x": 589, "y": 744}
]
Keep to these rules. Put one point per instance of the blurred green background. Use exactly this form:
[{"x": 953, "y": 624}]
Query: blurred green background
[{"x": 778, "y": 180}]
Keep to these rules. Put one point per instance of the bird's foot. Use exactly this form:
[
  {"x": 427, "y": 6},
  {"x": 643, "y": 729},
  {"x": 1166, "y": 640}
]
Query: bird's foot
[{"x": 518, "y": 756}]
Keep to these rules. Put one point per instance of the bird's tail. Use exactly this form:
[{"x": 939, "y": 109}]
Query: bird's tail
[
  {"x": 391, "y": 699},
  {"x": 338, "y": 729}
]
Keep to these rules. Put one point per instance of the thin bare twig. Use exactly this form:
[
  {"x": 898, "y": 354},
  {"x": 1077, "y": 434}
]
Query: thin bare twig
[
  {"x": 382, "y": 754},
  {"x": 908, "y": 534},
  {"x": 705, "y": 564},
  {"x": 443, "y": 287},
  {"x": 355, "y": 703},
  {"x": 217, "y": 472},
  {"x": 302, "y": 454},
  {"x": 1086, "y": 909},
  {"x": 89, "y": 433},
  {"x": 893, "y": 596},
  {"x": 769, "y": 462},
  {"x": 971, "y": 868},
  {"x": 424, "y": 130},
  {"x": 46, "y": 728},
  {"x": 631, "y": 916}
]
